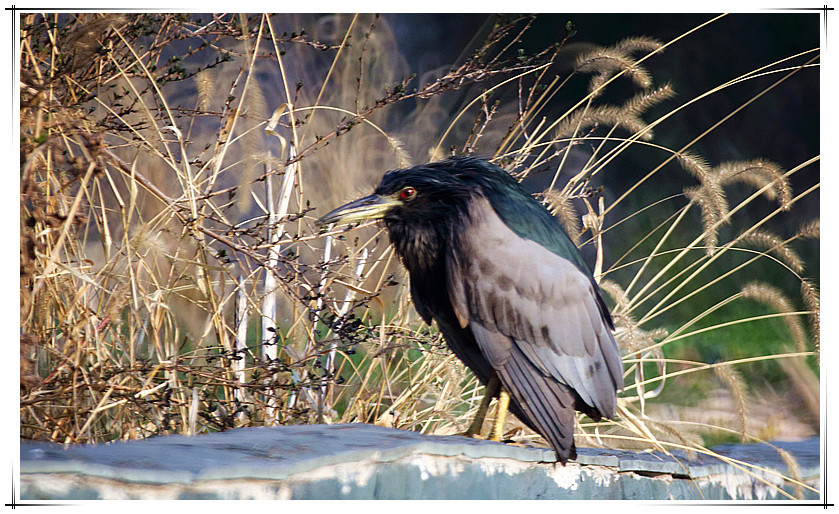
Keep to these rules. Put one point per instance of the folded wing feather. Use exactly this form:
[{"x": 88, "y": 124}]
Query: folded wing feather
[{"x": 549, "y": 309}]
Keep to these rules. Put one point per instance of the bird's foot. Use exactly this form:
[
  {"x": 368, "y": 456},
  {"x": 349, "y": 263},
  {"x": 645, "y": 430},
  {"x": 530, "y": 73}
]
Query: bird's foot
[{"x": 501, "y": 413}]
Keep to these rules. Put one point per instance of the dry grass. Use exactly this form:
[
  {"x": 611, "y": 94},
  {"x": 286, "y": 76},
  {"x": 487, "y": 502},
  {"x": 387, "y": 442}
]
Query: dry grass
[{"x": 173, "y": 279}]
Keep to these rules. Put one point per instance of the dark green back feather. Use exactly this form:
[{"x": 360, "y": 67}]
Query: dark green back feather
[{"x": 517, "y": 209}]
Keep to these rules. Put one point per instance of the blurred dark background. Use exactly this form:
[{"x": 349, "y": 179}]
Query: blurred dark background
[{"x": 782, "y": 126}]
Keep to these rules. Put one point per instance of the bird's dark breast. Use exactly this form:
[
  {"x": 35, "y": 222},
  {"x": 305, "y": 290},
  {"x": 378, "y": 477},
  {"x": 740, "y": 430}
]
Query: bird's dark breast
[
  {"x": 430, "y": 295},
  {"x": 422, "y": 251},
  {"x": 419, "y": 246}
]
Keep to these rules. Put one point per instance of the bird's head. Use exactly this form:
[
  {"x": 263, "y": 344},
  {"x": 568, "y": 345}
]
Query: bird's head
[
  {"x": 427, "y": 206},
  {"x": 426, "y": 194}
]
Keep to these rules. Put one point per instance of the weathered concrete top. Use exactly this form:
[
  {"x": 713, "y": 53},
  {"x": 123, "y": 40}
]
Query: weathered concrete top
[{"x": 366, "y": 461}]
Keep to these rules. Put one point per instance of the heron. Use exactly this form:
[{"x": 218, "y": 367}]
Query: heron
[{"x": 508, "y": 289}]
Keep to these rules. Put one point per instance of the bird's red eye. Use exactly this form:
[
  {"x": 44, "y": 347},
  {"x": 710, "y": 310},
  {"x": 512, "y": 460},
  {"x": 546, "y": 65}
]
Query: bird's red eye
[{"x": 407, "y": 193}]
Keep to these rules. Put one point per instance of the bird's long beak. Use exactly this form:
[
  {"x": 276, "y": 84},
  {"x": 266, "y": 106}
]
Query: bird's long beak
[{"x": 371, "y": 207}]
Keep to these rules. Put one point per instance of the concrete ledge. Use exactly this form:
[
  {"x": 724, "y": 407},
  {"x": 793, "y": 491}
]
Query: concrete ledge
[{"x": 359, "y": 461}]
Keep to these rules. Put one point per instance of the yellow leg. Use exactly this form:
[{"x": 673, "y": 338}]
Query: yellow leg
[
  {"x": 500, "y": 414},
  {"x": 492, "y": 388}
]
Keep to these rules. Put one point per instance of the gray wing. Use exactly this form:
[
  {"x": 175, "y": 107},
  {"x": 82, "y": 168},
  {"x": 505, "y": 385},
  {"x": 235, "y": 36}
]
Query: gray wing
[{"x": 524, "y": 303}]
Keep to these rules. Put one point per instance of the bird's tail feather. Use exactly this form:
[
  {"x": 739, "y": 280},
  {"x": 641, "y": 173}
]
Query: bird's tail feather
[{"x": 547, "y": 405}]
